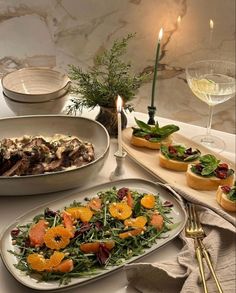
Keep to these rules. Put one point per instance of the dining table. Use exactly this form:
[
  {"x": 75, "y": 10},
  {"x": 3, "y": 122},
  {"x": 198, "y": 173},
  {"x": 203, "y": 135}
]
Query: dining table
[{"x": 12, "y": 207}]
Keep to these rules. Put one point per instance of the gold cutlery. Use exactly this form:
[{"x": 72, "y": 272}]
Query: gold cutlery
[{"x": 194, "y": 230}]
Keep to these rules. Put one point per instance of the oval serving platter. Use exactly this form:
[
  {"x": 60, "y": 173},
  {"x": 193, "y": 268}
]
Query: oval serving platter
[{"x": 143, "y": 186}]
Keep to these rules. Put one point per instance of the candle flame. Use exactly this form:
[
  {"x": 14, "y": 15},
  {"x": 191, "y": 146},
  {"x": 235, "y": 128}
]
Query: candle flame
[
  {"x": 211, "y": 24},
  {"x": 160, "y": 34},
  {"x": 119, "y": 104},
  {"x": 179, "y": 19}
]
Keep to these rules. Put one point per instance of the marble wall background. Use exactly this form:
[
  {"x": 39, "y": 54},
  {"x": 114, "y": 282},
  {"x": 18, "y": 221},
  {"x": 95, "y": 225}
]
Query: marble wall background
[{"x": 58, "y": 32}]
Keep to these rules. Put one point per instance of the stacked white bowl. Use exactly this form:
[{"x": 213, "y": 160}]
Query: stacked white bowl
[{"x": 35, "y": 91}]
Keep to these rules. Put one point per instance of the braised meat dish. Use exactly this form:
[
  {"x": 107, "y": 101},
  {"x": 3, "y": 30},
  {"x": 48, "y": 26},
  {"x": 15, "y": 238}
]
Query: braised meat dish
[{"x": 31, "y": 155}]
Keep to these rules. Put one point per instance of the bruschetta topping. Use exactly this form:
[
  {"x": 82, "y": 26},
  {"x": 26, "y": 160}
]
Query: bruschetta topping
[
  {"x": 230, "y": 192},
  {"x": 209, "y": 166},
  {"x": 180, "y": 153},
  {"x": 153, "y": 133}
]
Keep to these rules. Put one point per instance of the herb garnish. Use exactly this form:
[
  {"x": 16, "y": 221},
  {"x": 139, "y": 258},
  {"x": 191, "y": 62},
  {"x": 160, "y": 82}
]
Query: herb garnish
[
  {"x": 209, "y": 166},
  {"x": 180, "y": 153},
  {"x": 153, "y": 133}
]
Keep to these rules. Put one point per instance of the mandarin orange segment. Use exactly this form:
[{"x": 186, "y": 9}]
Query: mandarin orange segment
[
  {"x": 85, "y": 214},
  {"x": 131, "y": 233},
  {"x": 157, "y": 221},
  {"x": 109, "y": 244},
  {"x": 138, "y": 222},
  {"x": 36, "y": 261},
  {"x": 120, "y": 210},
  {"x": 54, "y": 260},
  {"x": 74, "y": 212},
  {"x": 65, "y": 266},
  {"x": 95, "y": 204},
  {"x": 57, "y": 237},
  {"x": 148, "y": 201},
  {"x": 82, "y": 213},
  {"x": 37, "y": 232},
  {"x": 93, "y": 247}
]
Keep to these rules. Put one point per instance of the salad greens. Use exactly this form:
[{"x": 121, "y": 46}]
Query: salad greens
[
  {"x": 180, "y": 153},
  {"x": 102, "y": 227},
  {"x": 153, "y": 133}
]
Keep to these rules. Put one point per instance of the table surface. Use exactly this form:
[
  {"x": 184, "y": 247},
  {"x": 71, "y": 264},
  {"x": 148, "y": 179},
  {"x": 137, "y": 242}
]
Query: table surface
[{"x": 12, "y": 207}]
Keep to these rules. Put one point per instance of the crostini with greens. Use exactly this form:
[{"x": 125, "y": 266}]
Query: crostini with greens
[
  {"x": 209, "y": 173},
  {"x": 152, "y": 136},
  {"x": 177, "y": 157}
]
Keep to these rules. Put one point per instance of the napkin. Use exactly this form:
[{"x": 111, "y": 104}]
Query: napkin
[{"x": 182, "y": 273}]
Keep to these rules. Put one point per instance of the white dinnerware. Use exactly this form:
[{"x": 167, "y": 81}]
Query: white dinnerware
[{"x": 35, "y": 84}]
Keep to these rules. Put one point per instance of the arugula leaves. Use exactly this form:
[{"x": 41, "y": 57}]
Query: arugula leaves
[{"x": 153, "y": 133}]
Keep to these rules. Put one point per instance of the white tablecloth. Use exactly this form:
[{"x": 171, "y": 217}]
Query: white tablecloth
[{"x": 12, "y": 207}]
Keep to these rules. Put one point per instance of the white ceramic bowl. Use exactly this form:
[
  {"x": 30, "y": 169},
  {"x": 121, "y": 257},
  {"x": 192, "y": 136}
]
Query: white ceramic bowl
[
  {"x": 47, "y": 125},
  {"x": 54, "y": 106},
  {"x": 35, "y": 84}
]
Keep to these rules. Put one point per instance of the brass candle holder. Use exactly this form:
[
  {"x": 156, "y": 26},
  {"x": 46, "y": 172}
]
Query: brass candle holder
[{"x": 119, "y": 172}]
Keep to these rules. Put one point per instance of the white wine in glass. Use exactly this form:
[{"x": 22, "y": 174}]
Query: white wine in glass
[{"x": 213, "y": 82}]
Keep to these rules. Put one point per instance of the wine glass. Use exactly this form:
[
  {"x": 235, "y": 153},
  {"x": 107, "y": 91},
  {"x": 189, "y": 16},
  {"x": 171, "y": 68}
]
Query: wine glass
[{"x": 213, "y": 82}]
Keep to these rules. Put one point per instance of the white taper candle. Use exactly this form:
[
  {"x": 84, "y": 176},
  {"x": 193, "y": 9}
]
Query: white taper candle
[{"x": 119, "y": 108}]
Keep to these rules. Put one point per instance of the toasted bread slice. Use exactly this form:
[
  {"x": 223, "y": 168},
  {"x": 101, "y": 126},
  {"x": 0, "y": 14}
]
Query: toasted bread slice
[
  {"x": 175, "y": 165},
  {"x": 223, "y": 201},
  {"x": 206, "y": 183},
  {"x": 142, "y": 142}
]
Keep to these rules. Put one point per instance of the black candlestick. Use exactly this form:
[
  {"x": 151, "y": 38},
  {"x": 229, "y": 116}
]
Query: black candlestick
[{"x": 151, "y": 113}]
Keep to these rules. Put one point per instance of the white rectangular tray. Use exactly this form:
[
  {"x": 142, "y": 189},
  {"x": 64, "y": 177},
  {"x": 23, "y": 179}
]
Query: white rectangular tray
[{"x": 149, "y": 160}]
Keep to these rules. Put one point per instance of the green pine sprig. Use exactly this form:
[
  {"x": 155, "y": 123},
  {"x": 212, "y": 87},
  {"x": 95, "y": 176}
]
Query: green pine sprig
[{"x": 109, "y": 77}]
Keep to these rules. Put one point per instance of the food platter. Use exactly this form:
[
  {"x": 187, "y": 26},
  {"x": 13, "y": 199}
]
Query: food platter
[
  {"x": 178, "y": 215},
  {"x": 148, "y": 159}
]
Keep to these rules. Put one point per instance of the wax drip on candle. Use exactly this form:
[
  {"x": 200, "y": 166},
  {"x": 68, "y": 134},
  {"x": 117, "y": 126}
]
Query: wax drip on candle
[{"x": 119, "y": 109}]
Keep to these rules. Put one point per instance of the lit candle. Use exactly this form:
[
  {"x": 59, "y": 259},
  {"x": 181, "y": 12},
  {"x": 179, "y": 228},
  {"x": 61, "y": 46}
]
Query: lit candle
[
  {"x": 119, "y": 108},
  {"x": 211, "y": 32},
  {"x": 156, "y": 65}
]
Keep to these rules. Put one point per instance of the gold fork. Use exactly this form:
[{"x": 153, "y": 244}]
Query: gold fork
[
  {"x": 190, "y": 231},
  {"x": 194, "y": 230}
]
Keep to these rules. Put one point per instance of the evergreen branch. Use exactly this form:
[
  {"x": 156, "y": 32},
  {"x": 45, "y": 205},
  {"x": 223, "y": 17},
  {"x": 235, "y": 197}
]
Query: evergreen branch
[{"x": 108, "y": 78}]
